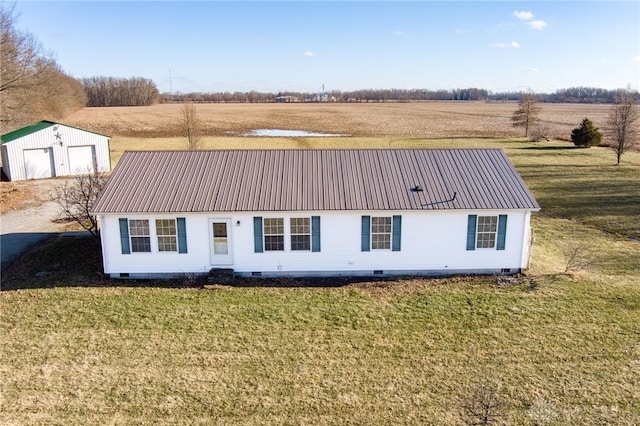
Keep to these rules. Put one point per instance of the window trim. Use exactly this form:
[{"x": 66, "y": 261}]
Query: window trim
[
  {"x": 309, "y": 234},
  {"x": 390, "y": 233},
  {"x": 493, "y": 234},
  {"x": 265, "y": 235},
  {"x": 147, "y": 236},
  {"x": 174, "y": 235}
]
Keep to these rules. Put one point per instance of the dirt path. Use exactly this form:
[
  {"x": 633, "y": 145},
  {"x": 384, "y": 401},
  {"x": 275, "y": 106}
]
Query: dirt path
[{"x": 29, "y": 221}]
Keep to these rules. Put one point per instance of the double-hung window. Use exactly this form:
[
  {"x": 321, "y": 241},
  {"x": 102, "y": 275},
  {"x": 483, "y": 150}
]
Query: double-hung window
[
  {"x": 167, "y": 235},
  {"x": 170, "y": 235},
  {"x": 381, "y": 233},
  {"x": 274, "y": 234},
  {"x": 300, "y": 228},
  {"x": 300, "y": 234},
  {"x": 140, "y": 236},
  {"x": 486, "y": 233}
]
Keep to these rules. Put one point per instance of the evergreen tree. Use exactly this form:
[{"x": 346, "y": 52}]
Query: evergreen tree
[{"x": 587, "y": 135}]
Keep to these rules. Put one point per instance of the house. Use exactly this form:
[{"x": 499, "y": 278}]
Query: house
[
  {"x": 48, "y": 149},
  {"x": 315, "y": 212}
]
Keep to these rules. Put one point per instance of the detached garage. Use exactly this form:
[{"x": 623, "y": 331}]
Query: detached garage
[{"x": 49, "y": 149}]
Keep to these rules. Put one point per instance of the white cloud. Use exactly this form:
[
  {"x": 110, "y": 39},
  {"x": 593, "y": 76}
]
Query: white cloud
[
  {"x": 400, "y": 34},
  {"x": 309, "y": 54},
  {"x": 635, "y": 58},
  {"x": 522, "y": 15},
  {"x": 537, "y": 25},
  {"x": 532, "y": 69},
  {"x": 461, "y": 31},
  {"x": 513, "y": 44}
]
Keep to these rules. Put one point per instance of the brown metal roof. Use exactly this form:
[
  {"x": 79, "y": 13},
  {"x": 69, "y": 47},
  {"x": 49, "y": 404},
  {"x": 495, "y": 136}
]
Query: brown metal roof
[{"x": 311, "y": 180}]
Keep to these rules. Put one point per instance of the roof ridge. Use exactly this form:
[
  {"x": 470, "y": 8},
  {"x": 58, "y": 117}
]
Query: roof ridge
[{"x": 36, "y": 127}]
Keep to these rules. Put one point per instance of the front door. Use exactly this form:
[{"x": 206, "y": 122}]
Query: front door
[{"x": 220, "y": 241}]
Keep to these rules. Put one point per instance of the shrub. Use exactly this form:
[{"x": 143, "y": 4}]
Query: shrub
[{"x": 587, "y": 135}]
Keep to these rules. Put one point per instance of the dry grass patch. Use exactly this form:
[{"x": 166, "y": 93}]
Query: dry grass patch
[{"x": 12, "y": 196}]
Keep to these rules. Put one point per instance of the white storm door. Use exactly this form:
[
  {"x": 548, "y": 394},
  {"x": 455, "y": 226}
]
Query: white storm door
[
  {"x": 82, "y": 159},
  {"x": 220, "y": 241},
  {"x": 38, "y": 163}
]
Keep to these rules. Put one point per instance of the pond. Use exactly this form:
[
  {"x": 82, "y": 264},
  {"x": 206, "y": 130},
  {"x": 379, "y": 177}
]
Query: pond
[{"x": 281, "y": 133}]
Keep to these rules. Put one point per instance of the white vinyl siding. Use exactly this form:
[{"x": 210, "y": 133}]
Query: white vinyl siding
[{"x": 431, "y": 241}]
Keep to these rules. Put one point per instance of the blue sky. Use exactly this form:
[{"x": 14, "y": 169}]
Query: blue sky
[{"x": 214, "y": 46}]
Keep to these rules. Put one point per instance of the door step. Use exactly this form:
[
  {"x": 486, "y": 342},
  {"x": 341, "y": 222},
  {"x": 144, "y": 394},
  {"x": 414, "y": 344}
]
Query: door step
[{"x": 221, "y": 276}]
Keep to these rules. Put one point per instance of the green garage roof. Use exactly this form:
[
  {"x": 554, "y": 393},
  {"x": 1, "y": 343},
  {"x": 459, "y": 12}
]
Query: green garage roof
[{"x": 16, "y": 134}]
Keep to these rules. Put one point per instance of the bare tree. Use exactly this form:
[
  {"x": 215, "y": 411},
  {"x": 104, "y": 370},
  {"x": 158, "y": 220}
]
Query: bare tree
[
  {"x": 483, "y": 405},
  {"x": 579, "y": 256},
  {"x": 621, "y": 124},
  {"x": 76, "y": 197},
  {"x": 111, "y": 91},
  {"x": 32, "y": 85},
  {"x": 527, "y": 114},
  {"x": 190, "y": 126}
]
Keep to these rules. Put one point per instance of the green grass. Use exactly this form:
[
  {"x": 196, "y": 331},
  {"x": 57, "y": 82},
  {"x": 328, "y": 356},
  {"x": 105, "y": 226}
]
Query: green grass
[{"x": 562, "y": 349}]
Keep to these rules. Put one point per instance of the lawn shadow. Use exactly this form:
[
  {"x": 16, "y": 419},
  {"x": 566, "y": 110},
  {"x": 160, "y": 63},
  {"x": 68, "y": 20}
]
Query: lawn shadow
[
  {"x": 549, "y": 148},
  {"x": 61, "y": 261}
]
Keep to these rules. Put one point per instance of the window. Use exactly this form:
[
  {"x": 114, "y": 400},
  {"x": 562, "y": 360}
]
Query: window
[
  {"x": 274, "y": 234},
  {"x": 487, "y": 229},
  {"x": 380, "y": 233},
  {"x": 300, "y": 233},
  {"x": 140, "y": 239},
  {"x": 167, "y": 236}
]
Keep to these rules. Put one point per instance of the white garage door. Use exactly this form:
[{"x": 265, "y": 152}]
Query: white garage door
[
  {"x": 82, "y": 159},
  {"x": 38, "y": 163}
]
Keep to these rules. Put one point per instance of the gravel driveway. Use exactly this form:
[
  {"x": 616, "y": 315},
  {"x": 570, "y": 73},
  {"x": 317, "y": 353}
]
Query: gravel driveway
[{"x": 30, "y": 224}]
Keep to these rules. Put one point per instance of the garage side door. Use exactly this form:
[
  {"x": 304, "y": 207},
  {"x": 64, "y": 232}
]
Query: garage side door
[
  {"x": 82, "y": 159},
  {"x": 38, "y": 163}
]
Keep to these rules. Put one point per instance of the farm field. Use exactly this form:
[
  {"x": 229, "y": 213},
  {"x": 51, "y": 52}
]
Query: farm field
[
  {"x": 557, "y": 348},
  {"x": 425, "y": 119}
]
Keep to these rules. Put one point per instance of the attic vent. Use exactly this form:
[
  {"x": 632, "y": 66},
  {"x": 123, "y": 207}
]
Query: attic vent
[{"x": 417, "y": 188}]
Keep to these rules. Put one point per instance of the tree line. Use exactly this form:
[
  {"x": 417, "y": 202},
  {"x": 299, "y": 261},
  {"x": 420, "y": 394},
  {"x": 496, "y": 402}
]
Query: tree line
[
  {"x": 571, "y": 95},
  {"x": 111, "y": 91},
  {"x": 365, "y": 95}
]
